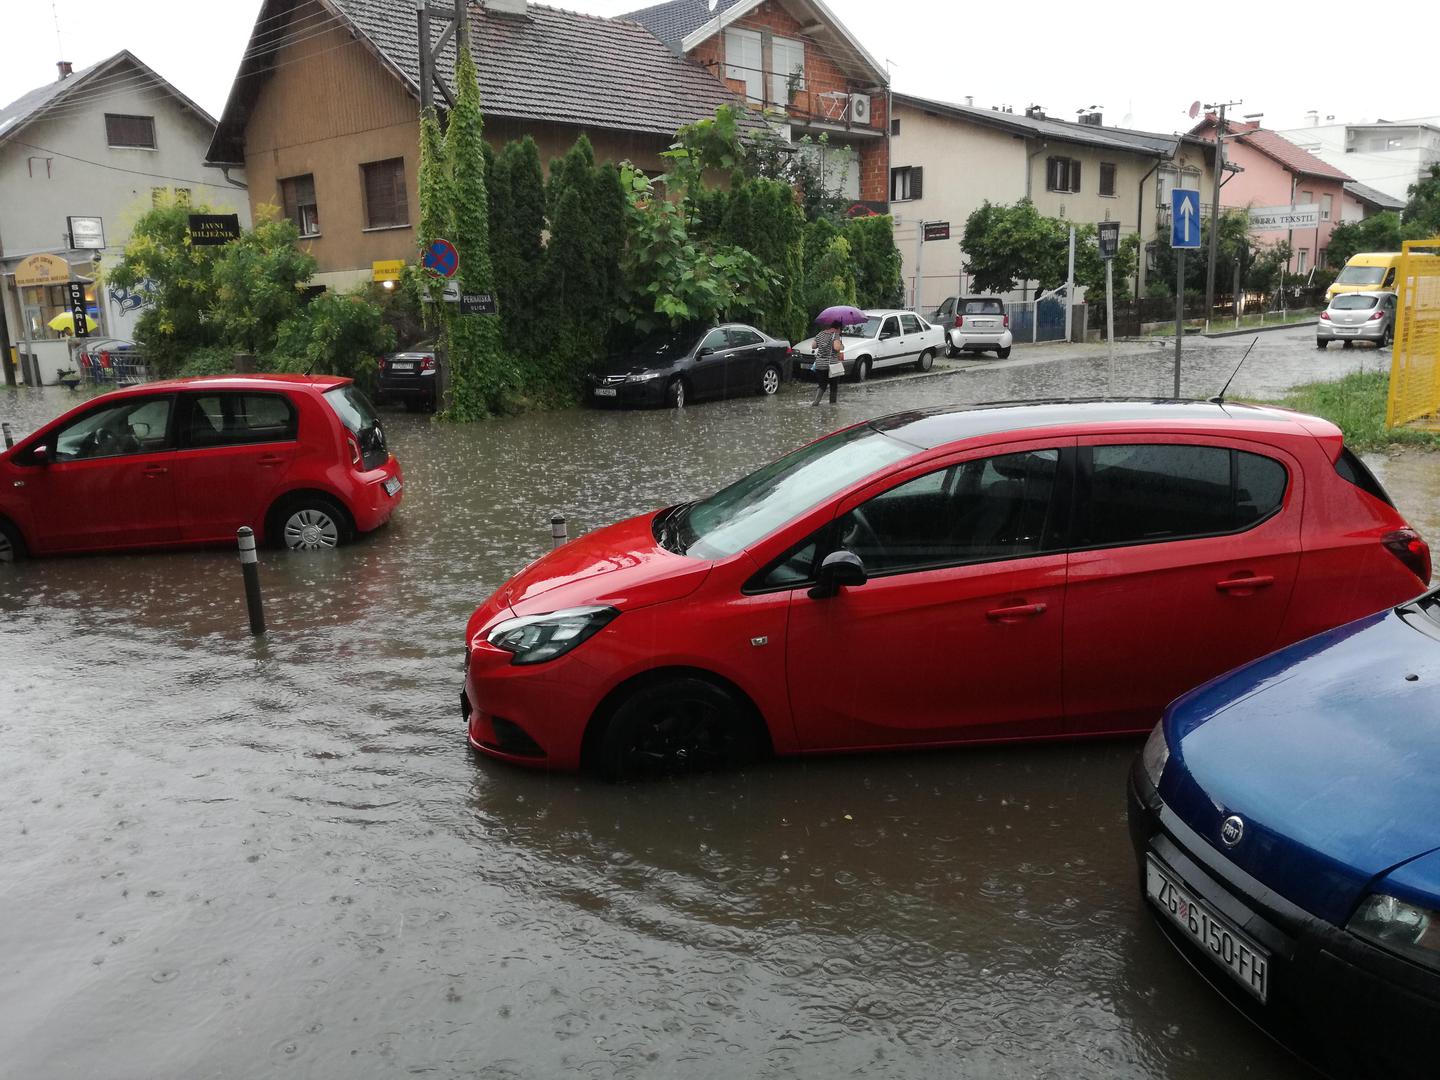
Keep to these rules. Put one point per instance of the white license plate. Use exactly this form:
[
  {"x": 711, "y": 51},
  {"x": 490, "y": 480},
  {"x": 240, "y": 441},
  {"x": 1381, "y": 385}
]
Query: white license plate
[
  {"x": 1247, "y": 963},
  {"x": 605, "y": 391},
  {"x": 1347, "y": 330},
  {"x": 392, "y": 486},
  {"x": 402, "y": 367}
]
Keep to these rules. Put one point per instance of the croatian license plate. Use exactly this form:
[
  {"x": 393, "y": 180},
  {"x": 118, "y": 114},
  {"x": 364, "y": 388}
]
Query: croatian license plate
[
  {"x": 1247, "y": 963},
  {"x": 397, "y": 366},
  {"x": 1346, "y": 330},
  {"x": 392, "y": 486},
  {"x": 605, "y": 391}
]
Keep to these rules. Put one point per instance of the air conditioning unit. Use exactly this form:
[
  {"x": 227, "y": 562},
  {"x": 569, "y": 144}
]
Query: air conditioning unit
[{"x": 860, "y": 108}]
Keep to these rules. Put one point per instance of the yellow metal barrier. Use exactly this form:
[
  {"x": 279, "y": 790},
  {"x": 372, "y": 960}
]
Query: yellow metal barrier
[{"x": 1415, "y": 361}]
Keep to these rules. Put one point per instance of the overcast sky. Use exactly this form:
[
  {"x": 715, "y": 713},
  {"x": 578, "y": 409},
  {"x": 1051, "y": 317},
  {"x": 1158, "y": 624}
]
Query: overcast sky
[{"x": 1142, "y": 63}]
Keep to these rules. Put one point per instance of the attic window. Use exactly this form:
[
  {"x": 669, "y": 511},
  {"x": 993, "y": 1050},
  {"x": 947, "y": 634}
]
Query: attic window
[{"x": 130, "y": 132}]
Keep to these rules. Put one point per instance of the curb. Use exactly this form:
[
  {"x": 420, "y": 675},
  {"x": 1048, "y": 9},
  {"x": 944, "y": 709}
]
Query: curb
[{"x": 1260, "y": 329}]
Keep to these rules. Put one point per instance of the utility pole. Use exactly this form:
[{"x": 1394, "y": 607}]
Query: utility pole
[
  {"x": 1215, "y": 207},
  {"x": 430, "y": 80},
  {"x": 1070, "y": 288}
]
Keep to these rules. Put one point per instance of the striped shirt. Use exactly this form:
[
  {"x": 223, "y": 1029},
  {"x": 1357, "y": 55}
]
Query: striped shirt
[{"x": 825, "y": 345}]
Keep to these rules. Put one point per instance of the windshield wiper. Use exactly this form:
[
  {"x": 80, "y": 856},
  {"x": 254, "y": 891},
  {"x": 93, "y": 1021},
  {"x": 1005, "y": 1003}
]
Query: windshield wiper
[{"x": 670, "y": 527}]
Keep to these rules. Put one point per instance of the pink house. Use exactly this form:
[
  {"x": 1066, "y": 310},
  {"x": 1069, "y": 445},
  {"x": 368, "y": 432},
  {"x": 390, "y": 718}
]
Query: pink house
[{"x": 1279, "y": 173}]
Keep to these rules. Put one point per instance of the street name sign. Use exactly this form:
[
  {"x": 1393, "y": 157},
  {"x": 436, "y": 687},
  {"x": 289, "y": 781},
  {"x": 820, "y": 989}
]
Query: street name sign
[
  {"x": 1184, "y": 218},
  {"x": 937, "y": 230},
  {"x": 478, "y": 304},
  {"x": 1108, "y": 234},
  {"x": 1284, "y": 218},
  {"x": 442, "y": 258}
]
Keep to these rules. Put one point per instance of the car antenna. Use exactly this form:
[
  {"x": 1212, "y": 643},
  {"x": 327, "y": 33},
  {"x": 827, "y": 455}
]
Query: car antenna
[{"x": 1219, "y": 399}]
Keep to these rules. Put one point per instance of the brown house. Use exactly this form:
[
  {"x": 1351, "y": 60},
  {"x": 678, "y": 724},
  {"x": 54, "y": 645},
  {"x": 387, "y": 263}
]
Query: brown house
[
  {"x": 797, "y": 62},
  {"x": 324, "y": 113}
]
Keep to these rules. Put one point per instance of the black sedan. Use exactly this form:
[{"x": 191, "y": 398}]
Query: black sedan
[
  {"x": 674, "y": 367},
  {"x": 409, "y": 377}
]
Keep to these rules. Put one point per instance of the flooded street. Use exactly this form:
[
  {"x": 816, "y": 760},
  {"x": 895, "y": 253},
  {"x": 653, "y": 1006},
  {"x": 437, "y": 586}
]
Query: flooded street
[{"x": 225, "y": 858}]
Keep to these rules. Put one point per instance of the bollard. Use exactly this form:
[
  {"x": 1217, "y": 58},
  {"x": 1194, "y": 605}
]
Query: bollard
[
  {"x": 249, "y": 565},
  {"x": 9, "y": 439},
  {"x": 558, "y": 533}
]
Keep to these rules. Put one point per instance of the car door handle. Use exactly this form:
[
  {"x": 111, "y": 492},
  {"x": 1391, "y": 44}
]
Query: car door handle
[
  {"x": 1240, "y": 584},
  {"x": 156, "y": 470},
  {"x": 1015, "y": 613},
  {"x": 270, "y": 459}
]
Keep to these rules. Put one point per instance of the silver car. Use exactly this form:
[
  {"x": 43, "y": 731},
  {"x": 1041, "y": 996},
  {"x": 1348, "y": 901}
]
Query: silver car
[{"x": 1357, "y": 316}]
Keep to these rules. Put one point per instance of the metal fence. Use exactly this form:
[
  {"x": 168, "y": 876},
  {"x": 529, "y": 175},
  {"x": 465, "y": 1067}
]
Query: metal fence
[{"x": 1415, "y": 359}]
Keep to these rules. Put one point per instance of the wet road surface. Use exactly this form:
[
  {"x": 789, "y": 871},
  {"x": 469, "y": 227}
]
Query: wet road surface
[{"x": 224, "y": 858}]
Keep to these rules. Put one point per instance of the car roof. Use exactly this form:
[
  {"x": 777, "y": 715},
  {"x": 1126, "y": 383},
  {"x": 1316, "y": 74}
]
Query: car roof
[
  {"x": 927, "y": 429},
  {"x": 239, "y": 382}
]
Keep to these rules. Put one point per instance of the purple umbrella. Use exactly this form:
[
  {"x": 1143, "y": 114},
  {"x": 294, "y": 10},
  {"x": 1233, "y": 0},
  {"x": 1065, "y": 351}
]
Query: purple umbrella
[{"x": 843, "y": 314}]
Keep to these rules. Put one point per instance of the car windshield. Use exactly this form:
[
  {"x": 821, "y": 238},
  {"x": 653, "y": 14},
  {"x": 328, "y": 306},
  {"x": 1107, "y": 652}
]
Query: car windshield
[
  {"x": 1352, "y": 302},
  {"x": 1360, "y": 275},
  {"x": 984, "y": 307},
  {"x": 869, "y": 328},
  {"x": 358, "y": 415},
  {"x": 742, "y": 513}
]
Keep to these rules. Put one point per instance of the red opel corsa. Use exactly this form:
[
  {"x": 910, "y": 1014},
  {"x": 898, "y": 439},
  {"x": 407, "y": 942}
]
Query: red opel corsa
[
  {"x": 302, "y": 460},
  {"x": 961, "y": 575}
]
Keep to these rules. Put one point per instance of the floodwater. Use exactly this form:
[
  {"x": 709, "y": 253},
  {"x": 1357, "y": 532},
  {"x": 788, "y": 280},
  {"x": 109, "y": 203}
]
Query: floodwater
[{"x": 224, "y": 858}]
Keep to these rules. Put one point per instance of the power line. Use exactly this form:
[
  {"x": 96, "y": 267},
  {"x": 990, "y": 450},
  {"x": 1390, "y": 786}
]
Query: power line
[{"x": 117, "y": 168}]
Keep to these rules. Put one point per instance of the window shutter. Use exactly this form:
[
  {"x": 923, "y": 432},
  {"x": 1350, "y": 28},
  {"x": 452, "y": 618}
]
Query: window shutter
[
  {"x": 917, "y": 176},
  {"x": 1074, "y": 175}
]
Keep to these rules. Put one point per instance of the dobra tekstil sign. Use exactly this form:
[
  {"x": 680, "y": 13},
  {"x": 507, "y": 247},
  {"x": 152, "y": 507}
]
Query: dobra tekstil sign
[{"x": 1284, "y": 218}]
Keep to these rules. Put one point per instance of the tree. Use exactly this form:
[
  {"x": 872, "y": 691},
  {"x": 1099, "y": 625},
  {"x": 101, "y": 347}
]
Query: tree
[
  {"x": 335, "y": 334},
  {"x": 586, "y": 206},
  {"x": 878, "y": 281},
  {"x": 517, "y": 228},
  {"x": 257, "y": 281},
  {"x": 1421, "y": 216},
  {"x": 1379, "y": 232},
  {"x": 481, "y": 377},
  {"x": 829, "y": 267},
  {"x": 1007, "y": 245}
]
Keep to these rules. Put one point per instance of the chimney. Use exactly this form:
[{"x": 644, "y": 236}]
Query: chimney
[
  {"x": 1093, "y": 119},
  {"x": 1313, "y": 118},
  {"x": 66, "y": 70},
  {"x": 970, "y": 100},
  {"x": 1036, "y": 112}
]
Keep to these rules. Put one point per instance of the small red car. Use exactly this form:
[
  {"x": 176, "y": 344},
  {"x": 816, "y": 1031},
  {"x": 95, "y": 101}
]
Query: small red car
[
  {"x": 962, "y": 575},
  {"x": 302, "y": 460}
]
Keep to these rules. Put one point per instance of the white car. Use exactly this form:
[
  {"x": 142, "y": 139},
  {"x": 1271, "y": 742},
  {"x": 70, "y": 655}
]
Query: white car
[
  {"x": 886, "y": 339},
  {"x": 975, "y": 324}
]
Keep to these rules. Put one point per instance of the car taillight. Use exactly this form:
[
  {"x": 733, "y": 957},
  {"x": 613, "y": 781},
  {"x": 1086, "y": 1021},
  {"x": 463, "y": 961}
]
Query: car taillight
[
  {"x": 1006, "y": 320},
  {"x": 354, "y": 451},
  {"x": 1377, "y": 315},
  {"x": 1410, "y": 548},
  {"x": 959, "y": 321},
  {"x": 380, "y": 362},
  {"x": 427, "y": 364},
  {"x": 1325, "y": 315}
]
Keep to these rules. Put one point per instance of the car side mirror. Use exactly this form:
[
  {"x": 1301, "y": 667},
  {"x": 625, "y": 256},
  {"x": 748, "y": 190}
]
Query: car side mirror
[
  {"x": 40, "y": 455},
  {"x": 705, "y": 350},
  {"x": 841, "y": 569}
]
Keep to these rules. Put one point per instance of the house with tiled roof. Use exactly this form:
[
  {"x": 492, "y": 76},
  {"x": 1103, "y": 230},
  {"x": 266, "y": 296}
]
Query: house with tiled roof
[
  {"x": 324, "y": 112},
  {"x": 797, "y": 64},
  {"x": 949, "y": 159},
  {"x": 1274, "y": 172},
  {"x": 80, "y": 157}
]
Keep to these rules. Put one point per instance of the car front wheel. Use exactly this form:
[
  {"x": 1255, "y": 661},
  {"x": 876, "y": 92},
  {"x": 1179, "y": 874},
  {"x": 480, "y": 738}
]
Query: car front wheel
[
  {"x": 678, "y": 725},
  {"x": 675, "y": 394},
  {"x": 770, "y": 380}
]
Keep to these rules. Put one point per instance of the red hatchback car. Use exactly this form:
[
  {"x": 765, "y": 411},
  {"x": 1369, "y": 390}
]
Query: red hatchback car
[
  {"x": 300, "y": 459},
  {"x": 963, "y": 575}
]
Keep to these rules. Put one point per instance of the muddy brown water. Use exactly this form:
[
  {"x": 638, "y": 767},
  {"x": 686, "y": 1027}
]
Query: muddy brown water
[{"x": 224, "y": 858}]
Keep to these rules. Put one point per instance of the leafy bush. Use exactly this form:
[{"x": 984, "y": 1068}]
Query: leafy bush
[
  {"x": 334, "y": 335},
  {"x": 208, "y": 362},
  {"x": 878, "y": 281}
]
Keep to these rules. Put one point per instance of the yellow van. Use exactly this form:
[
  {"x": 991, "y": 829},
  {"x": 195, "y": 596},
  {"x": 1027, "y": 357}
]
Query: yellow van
[{"x": 1366, "y": 272}]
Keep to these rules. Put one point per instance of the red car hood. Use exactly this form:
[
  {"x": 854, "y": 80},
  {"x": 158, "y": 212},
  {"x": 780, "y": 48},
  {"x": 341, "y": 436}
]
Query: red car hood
[{"x": 620, "y": 565}]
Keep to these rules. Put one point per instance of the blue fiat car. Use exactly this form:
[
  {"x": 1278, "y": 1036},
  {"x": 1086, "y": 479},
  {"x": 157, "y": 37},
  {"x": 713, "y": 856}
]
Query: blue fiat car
[{"x": 1286, "y": 819}]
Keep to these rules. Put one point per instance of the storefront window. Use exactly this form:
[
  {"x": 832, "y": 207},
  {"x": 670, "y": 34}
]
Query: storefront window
[{"x": 42, "y": 303}]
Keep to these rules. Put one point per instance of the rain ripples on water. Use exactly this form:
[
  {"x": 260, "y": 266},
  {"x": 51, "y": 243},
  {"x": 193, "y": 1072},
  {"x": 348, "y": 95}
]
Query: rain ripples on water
[{"x": 231, "y": 858}]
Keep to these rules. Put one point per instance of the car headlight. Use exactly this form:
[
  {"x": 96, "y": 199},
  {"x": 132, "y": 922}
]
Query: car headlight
[
  {"x": 643, "y": 376},
  {"x": 1155, "y": 755},
  {"x": 1391, "y": 923},
  {"x": 537, "y": 638}
]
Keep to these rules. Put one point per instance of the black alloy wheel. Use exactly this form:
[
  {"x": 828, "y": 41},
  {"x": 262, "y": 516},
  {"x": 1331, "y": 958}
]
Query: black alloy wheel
[{"x": 679, "y": 725}]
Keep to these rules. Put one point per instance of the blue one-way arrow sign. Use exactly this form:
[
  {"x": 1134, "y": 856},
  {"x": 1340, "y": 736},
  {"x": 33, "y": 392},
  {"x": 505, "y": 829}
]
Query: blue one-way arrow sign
[{"x": 1184, "y": 218}]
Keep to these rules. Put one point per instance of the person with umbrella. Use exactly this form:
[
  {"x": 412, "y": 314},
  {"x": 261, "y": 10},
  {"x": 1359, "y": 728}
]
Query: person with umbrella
[{"x": 830, "y": 349}]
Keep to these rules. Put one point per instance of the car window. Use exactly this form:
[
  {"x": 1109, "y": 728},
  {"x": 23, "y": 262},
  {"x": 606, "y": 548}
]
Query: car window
[
  {"x": 984, "y": 307},
  {"x": 1352, "y": 302},
  {"x": 976, "y": 511},
  {"x": 910, "y": 324},
  {"x": 891, "y": 328},
  {"x": 1361, "y": 275},
  {"x": 238, "y": 419},
  {"x": 1390, "y": 277},
  {"x": 358, "y": 415},
  {"x": 714, "y": 340},
  {"x": 741, "y": 336},
  {"x": 946, "y": 308},
  {"x": 794, "y": 569},
  {"x": 868, "y": 329},
  {"x": 131, "y": 426},
  {"x": 1144, "y": 493}
]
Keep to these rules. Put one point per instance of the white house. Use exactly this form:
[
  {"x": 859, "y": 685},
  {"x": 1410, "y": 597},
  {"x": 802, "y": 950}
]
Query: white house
[
  {"x": 1388, "y": 155},
  {"x": 80, "y": 160}
]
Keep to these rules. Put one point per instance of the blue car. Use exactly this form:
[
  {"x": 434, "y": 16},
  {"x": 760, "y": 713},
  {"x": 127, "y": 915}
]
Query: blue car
[{"x": 1286, "y": 820}]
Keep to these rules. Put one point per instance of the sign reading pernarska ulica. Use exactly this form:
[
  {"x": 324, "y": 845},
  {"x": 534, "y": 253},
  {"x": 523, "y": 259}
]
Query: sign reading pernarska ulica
[
  {"x": 478, "y": 304},
  {"x": 211, "y": 230},
  {"x": 1284, "y": 218},
  {"x": 1108, "y": 236}
]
